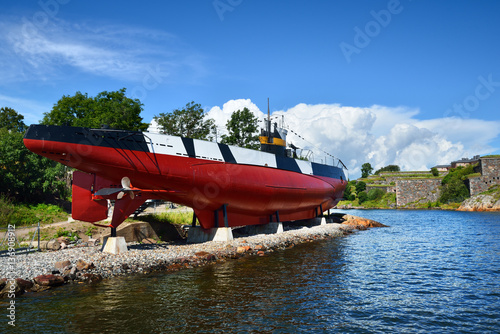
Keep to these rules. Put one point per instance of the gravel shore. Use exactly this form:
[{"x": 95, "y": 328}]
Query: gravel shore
[{"x": 89, "y": 263}]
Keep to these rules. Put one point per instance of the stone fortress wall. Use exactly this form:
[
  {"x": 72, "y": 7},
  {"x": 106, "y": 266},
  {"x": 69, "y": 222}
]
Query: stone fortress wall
[
  {"x": 418, "y": 190},
  {"x": 489, "y": 167}
]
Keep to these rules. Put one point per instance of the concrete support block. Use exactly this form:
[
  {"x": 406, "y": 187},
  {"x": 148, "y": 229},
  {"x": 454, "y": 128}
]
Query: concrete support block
[
  {"x": 114, "y": 245},
  {"x": 323, "y": 221},
  {"x": 198, "y": 234},
  {"x": 270, "y": 228}
]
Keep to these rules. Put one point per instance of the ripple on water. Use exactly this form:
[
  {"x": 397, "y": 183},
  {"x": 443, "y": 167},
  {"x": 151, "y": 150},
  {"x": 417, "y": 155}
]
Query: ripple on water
[{"x": 430, "y": 272}]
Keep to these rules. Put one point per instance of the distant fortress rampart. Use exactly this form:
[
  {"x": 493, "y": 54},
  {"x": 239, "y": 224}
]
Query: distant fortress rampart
[{"x": 420, "y": 187}]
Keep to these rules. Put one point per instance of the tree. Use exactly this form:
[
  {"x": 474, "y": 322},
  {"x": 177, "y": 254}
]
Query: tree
[
  {"x": 453, "y": 185},
  {"x": 26, "y": 176},
  {"x": 434, "y": 171},
  {"x": 11, "y": 120},
  {"x": 366, "y": 169},
  {"x": 360, "y": 186},
  {"x": 243, "y": 130},
  {"x": 107, "y": 108},
  {"x": 362, "y": 197},
  {"x": 375, "y": 194},
  {"x": 388, "y": 168},
  {"x": 188, "y": 122}
]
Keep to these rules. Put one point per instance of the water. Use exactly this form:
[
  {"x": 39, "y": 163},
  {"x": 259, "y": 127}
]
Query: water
[{"x": 430, "y": 272}]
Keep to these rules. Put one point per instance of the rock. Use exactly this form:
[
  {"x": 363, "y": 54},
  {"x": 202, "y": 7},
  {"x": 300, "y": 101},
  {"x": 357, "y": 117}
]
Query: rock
[
  {"x": 91, "y": 278},
  {"x": 49, "y": 280},
  {"x": 61, "y": 265},
  {"x": 63, "y": 245},
  {"x": 149, "y": 241},
  {"x": 24, "y": 284},
  {"x": 53, "y": 245},
  {"x": 93, "y": 242},
  {"x": 201, "y": 254},
  {"x": 259, "y": 248},
  {"x": 3, "y": 282},
  {"x": 39, "y": 288},
  {"x": 125, "y": 266},
  {"x": 480, "y": 203},
  {"x": 243, "y": 249},
  {"x": 261, "y": 253},
  {"x": 361, "y": 223},
  {"x": 82, "y": 265},
  {"x": 11, "y": 287},
  {"x": 65, "y": 240}
]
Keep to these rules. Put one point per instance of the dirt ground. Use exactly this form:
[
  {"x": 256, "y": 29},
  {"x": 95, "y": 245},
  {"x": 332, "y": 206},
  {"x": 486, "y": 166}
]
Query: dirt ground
[{"x": 84, "y": 228}]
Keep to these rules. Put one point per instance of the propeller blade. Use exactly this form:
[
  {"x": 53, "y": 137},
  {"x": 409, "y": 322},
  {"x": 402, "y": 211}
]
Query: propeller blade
[
  {"x": 125, "y": 182},
  {"x": 126, "y": 189},
  {"x": 107, "y": 191}
]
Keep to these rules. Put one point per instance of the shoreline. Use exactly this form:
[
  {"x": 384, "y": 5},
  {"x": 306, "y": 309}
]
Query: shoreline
[{"x": 39, "y": 271}]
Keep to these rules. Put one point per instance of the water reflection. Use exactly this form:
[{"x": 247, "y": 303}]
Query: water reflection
[{"x": 429, "y": 272}]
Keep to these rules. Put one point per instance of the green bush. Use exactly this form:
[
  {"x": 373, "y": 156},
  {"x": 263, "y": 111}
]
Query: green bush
[
  {"x": 453, "y": 188},
  {"x": 362, "y": 197},
  {"x": 360, "y": 186},
  {"x": 454, "y": 191},
  {"x": 434, "y": 171},
  {"x": 389, "y": 168},
  {"x": 375, "y": 194},
  {"x": 20, "y": 214}
]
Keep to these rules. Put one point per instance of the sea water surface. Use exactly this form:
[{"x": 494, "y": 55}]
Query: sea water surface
[{"x": 429, "y": 272}]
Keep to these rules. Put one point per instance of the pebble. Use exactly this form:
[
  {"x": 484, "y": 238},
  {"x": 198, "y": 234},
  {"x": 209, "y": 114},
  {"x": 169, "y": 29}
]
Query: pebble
[{"x": 144, "y": 258}]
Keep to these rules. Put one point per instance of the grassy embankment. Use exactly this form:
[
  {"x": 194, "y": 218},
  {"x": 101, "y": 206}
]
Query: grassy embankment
[
  {"x": 29, "y": 215},
  {"x": 452, "y": 191},
  {"x": 22, "y": 215}
]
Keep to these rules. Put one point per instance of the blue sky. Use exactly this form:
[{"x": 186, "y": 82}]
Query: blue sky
[{"x": 415, "y": 83}]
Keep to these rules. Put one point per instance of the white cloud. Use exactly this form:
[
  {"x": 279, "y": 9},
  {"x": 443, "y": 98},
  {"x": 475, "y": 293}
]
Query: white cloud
[
  {"x": 378, "y": 134},
  {"x": 222, "y": 115},
  {"x": 116, "y": 52}
]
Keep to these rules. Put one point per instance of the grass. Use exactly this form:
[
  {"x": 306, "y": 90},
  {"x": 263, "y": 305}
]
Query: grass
[
  {"x": 493, "y": 191},
  {"x": 26, "y": 215},
  {"x": 172, "y": 217},
  {"x": 387, "y": 201}
]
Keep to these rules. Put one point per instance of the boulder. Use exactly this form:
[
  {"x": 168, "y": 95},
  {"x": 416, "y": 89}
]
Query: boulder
[
  {"x": 201, "y": 254},
  {"x": 91, "y": 278},
  {"x": 53, "y": 245},
  {"x": 243, "y": 249},
  {"x": 206, "y": 256},
  {"x": 49, "y": 280},
  {"x": 82, "y": 265},
  {"x": 61, "y": 265},
  {"x": 11, "y": 287},
  {"x": 361, "y": 223},
  {"x": 480, "y": 203},
  {"x": 66, "y": 240},
  {"x": 24, "y": 284},
  {"x": 39, "y": 288}
]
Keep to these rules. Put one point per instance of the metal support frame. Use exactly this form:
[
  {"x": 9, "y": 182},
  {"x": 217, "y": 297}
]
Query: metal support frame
[
  {"x": 113, "y": 232},
  {"x": 224, "y": 214},
  {"x": 277, "y": 214},
  {"x": 193, "y": 223}
]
